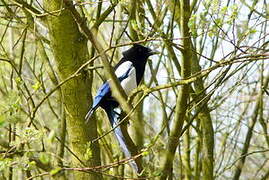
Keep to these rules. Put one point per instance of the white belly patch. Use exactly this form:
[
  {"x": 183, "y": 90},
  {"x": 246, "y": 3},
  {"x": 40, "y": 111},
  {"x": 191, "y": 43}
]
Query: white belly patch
[{"x": 129, "y": 83}]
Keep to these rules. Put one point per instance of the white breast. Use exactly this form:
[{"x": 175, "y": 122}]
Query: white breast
[
  {"x": 129, "y": 83},
  {"x": 123, "y": 68}
]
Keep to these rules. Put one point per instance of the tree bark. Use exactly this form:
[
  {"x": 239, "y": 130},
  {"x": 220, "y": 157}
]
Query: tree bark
[
  {"x": 70, "y": 52},
  {"x": 206, "y": 123}
]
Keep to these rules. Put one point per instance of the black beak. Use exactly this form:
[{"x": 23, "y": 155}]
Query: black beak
[{"x": 151, "y": 52}]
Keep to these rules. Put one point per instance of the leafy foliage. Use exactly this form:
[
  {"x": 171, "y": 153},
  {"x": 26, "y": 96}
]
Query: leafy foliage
[{"x": 229, "y": 76}]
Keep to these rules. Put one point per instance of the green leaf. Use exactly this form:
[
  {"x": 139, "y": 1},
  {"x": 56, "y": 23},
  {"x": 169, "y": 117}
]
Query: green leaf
[
  {"x": 44, "y": 158},
  {"x": 157, "y": 173},
  {"x": 18, "y": 80},
  {"x": 192, "y": 25},
  {"x": 36, "y": 86},
  {"x": 223, "y": 10},
  {"x": 134, "y": 24},
  {"x": 31, "y": 165},
  {"x": 145, "y": 153},
  {"x": 51, "y": 137},
  {"x": 210, "y": 34},
  {"x": 88, "y": 154},
  {"x": 2, "y": 120},
  {"x": 5, "y": 163},
  {"x": 55, "y": 171}
]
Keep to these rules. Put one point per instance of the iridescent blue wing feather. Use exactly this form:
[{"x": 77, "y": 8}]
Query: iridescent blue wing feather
[
  {"x": 122, "y": 72},
  {"x": 101, "y": 93}
]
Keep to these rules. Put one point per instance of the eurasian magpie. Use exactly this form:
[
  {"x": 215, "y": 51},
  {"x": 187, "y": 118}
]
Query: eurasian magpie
[{"x": 129, "y": 72}]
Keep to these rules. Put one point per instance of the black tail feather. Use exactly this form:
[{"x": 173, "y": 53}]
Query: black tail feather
[{"x": 113, "y": 118}]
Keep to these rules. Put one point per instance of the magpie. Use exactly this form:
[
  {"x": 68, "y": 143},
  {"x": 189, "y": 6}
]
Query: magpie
[{"x": 129, "y": 72}]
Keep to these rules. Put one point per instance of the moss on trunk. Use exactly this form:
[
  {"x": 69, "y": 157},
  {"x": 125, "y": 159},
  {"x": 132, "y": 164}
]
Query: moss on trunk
[{"x": 70, "y": 52}]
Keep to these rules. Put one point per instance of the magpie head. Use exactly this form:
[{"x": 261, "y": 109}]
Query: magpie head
[{"x": 138, "y": 52}]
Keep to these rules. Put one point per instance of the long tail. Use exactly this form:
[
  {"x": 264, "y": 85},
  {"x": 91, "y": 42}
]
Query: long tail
[{"x": 114, "y": 120}]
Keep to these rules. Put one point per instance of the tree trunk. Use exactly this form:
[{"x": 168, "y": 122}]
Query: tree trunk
[
  {"x": 70, "y": 52},
  {"x": 206, "y": 123}
]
